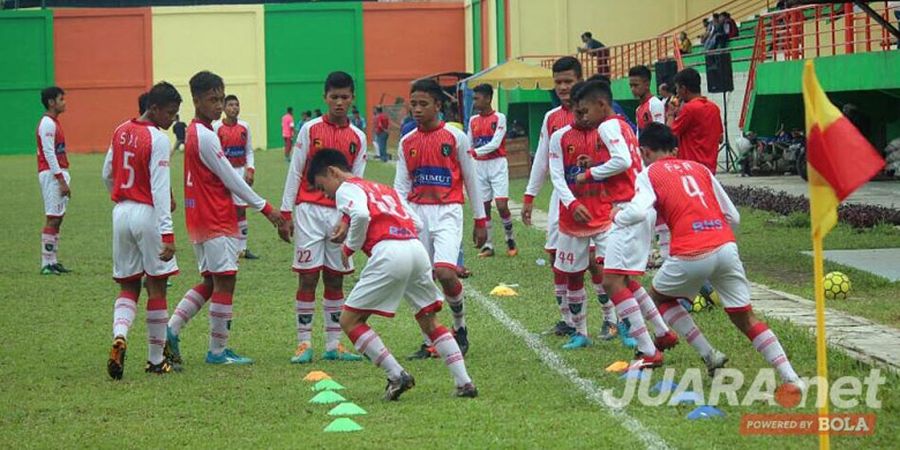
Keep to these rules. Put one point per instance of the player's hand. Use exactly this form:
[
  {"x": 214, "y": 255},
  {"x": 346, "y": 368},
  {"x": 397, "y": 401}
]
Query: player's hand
[
  {"x": 612, "y": 214},
  {"x": 581, "y": 178},
  {"x": 340, "y": 232},
  {"x": 479, "y": 236},
  {"x": 172, "y": 204},
  {"x": 286, "y": 231},
  {"x": 248, "y": 177},
  {"x": 345, "y": 260},
  {"x": 275, "y": 218},
  {"x": 168, "y": 251},
  {"x": 581, "y": 214},
  {"x": 526, "y": 213},
  {"x": 64, "y": 188}
]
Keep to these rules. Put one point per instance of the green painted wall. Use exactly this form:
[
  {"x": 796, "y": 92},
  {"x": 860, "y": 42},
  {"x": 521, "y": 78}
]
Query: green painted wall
[
  {"x": 26, "y": 49},
  {"x": 304, "y": 43},
  {"x": 477, "y": 23}
]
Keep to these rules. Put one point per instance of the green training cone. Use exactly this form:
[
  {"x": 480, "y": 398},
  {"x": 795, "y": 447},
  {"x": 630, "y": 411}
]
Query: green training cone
[
  {"x": 328, "y": 385},
  {"x": 342, "y": 425},
  {"x": 347, "y": 409},
  {"x": 325, "y": 397}
]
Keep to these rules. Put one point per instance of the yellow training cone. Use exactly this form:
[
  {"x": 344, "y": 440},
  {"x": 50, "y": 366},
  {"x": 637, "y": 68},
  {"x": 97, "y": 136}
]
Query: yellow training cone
[
  {"x": 503, "y": 291},
  {"x": 316, "y": 375},
  {"x": 617, "y": 367}
]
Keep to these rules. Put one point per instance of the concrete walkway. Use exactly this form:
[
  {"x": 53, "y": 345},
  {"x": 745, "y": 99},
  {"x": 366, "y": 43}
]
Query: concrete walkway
[
  {"x": 880, "y": 193},
  {"x": 860, "y": 338}
]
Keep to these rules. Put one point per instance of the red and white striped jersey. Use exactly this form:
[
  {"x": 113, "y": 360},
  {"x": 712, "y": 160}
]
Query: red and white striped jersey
[
  {"x": 209, "y": 182},
  {"x": 487, "y": 133},
  {"x": 376, "y": 214},
  {"x": 51, "y": 146},
  {"x": 651, "y": 110},
  {"x": 621, "y": 160},
  {"x": 236, "y": 142},
  {"x": 315, "y": 135},
  {"x": 690, "y": 201},
  {"x": 554, "y": 120},
  {"x": 572, "y": 151}
]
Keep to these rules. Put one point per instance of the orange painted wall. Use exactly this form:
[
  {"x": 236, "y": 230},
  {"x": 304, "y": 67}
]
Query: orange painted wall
[
  {"x": 103, "y": 61},
  {"x": 396, "y": 53}
]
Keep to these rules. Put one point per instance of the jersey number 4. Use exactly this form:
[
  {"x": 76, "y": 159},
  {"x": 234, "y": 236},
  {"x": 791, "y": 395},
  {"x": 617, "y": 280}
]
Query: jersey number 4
[{"x": 692, "y": 189}]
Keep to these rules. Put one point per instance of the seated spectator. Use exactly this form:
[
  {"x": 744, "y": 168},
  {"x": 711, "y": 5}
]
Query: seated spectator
[{"x": 685, "y": 44}]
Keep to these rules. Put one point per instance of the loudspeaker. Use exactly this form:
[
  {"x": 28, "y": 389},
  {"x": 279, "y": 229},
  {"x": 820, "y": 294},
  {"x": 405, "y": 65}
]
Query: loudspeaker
[
  {"x": 718, "y": 72},
  {"x": 665, "y": 71}
]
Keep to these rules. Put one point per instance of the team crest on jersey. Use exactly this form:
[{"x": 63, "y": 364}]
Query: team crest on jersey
[
  {"x": 317, "y": 143},
  {"x": 493, "y": 126},
  {"x": 570, "y": 148},
  {"x": 446, "y": 149},
  {"x": 413, "y": 153},
  {"x": 353, "y": 148}
]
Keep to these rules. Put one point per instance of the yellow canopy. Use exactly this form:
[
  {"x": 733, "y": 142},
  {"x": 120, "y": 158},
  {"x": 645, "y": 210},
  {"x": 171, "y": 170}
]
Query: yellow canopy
[{"x": 514, "y": 74}]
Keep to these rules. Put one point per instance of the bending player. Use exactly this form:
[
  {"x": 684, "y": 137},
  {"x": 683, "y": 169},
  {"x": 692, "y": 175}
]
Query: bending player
[
  {"x": 487, "y": 133},
  {"x": 238, "y": 146},
  {"x": 209, "y": 184},
  {"x": 398, "y": 267},
  {"x": 136, "y": 173},
  {"x": 433, "y": 163},
  {"x": 53, "y": 174},
  {"x": 701, "y": 218},
  {"x": 312, "y": 218}
]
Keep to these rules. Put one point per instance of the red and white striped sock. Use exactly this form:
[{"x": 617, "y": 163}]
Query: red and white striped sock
[
  {"x": 575, "y": 297},
  {"x": 331, "y": 309},
  {"x": 559, "y": 289},
  {"x": 609, "y": 309},
  {"x": 628, "y": 308},
  {"x": 189, "y": 306},
  {"x": 369, "y": 343},
  {"x": 157, "y": 317},
  {"x": 49, "y": 245},
  {"x": 123, "y": 313},
  {"x": 648, "y": 308},
  {"x": 457, "y": 306},
  {"x": 447, "y": 347},
  {"x": 220, "y": 314},
  {"x": 765, "y": 342},
  {"x": 681, "y": 321},
  {"x": 305, "y": 308}
]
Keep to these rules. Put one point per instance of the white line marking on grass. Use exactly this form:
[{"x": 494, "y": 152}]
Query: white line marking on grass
[{"x": 596, "y": 394}]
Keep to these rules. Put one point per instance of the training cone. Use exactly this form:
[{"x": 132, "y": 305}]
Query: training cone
[
  {"x": 617, "y": 367},
  {"x": 664, "y": 386},
  {"x": 347, "y": 409},
  {"x": 328, "y": 385},
  {"x": 326, "y": 397},
  {"x": 316, "y": 375},
  {"x": 342, "y": 425},
  {"x": 705, "y": 412},
  {"x": 503, "y": 291},
  {"x": 687, "y": 397},
  {"x": 635, "y": 374}
]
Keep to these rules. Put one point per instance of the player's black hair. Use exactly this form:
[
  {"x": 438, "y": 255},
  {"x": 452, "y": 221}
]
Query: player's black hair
[
  {"x": 599, "y": 77},
  {"x": 339, "y": 80},
  {"x": 162, "y": 94},
  {"x": 642, "y": 72},
  {"x": 290, "y": 109},
  {"x": 484, "y": 89},
  {"x": 231, "y": 97},
  {"x": 50, "y": 93},
  {"x": 318, "y": 112},
  {"x": 587, "y": 34},
  {"x": 308, "y": 113},
  {"x": 322, "y": 160},
  {"x": 690, "y": 79},
  {"x": 593, "y": 90},
  {"x": 430, "y": 87},
  {"x": 142, "y": 103},
  {"x": 378, "y": 109},
  {"x": 567, "y": 63},
  {"x": 205, "y": 81},
  {"x": 658, "y": 137}
]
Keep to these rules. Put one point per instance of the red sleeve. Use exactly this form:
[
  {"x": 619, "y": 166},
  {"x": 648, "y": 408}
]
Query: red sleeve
[{"x": 683, "y": 119}]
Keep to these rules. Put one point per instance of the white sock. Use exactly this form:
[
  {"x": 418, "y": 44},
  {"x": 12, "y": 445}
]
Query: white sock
[
  {"x": 609, "y": 309},
  {"x": 578, "y": 309},
  {"x": 305, "y": 308},
  {"x": 447, "y": 347},
  {"x": 490, "y": 240},
  {"x": 457, "y": 306},
  {"x": 157, "y": 317},
  {"x": 766, "y": 343},
  {"x": 189, "y": 306},
  {"x": 49, "y": 245},
  {"x": 123, "y": 314},
  {"x": 627, "y": 308},
  {"x": 220, "y": 314},
  {"x": 683, "y": 324},
  {"x": 648, "y": 308},
  {"x": 369, "y": 343},
  {"x": 559, "y": 290},
  {"x": 508, "y": 227},
  {"x": 242, "y": 237},
  {"x": 331, "y": 310}
]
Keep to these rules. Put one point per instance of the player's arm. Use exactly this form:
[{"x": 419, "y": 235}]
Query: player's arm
[
  {"x": 352, "y": 202},
  {"x": 496, "y": 140},
  {"x": 402, "y": 182},
  {"x": 161, "y": 186},
  {"x": 251, "y": 159},
  {"x": 728, "y": 209},
  {"x": 107, "y": 174},
  {"x": 657, "y": 110},
  {"x": 467, "y": 166},
  {"x": 539, "y": 165},
  {"x": 644, "y": 199},
  {"x": 469, "y": 129},
  {"x": 47, "y": 131},
  {"x": 212, "y": 156},
  {"x": 681, "y": 120},
  {"x": 620, "y": 156},
  {"x": 359, "y": 164},
  {"x": 295, "y": 173},
  {"x": 558, "y": 171}
]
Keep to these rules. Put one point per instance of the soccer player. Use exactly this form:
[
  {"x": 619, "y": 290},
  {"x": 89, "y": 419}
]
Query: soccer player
[
  {"x": 136, "y": 172},
  {"x": 53, "y": 175},
  {"x": 651, "y": 109},
  {"x": 627, "y": 248},
  {"x": 696, "y": 123},
  {"x": 566, "y": 72},
  {"x": 209, "y": 184},
  {"x": 487, "y": 133},
  {"x": 701, "y": 216},
  {"x": 433, "y": 164},
  {"x": 238, "y": 146},
  {"x": 398, "y": 267},
  {"x": 313, "y": 217}
]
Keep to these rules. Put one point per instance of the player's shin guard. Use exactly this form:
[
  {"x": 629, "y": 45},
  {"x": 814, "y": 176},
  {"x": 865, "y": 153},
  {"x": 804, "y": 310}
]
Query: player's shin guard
[
  {"x": 123, "y": 313},
  {"x": 242, "y": 237},
  {"x": 609, "y": 309},
  {"x": 49, "y": 245},
  {"x": 766, "y": 343},
  {"x": 189, "y": 306},
  {"x": 575, "y": 296},
  {"x": 489, "y": 243},
  {"x": 627, "y": 308},
  {"x": 559, "y": 287},
  {"x": 648, "y": 308},
  {"x": 508, "y": 226},
  {"x": 681, "y": 321},
  {"x": 157, "y": 317},
  {"x": 331, "y": 309},
  {"x": 457, "y": 306},
  {"x": 220, "y": 313},
  {"x": 305, "y": 307},
  {"x": 367, "y": 342},
  {"x": 447, "y": 347}
]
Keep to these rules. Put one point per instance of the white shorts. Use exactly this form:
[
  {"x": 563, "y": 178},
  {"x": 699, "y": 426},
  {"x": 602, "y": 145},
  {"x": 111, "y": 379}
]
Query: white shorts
[
  {"x": 493, "y": 178},
  {"x": 573, "y": 252},
  {"x": 217, "y": 256},
  {"x": 683, "y": 277},
  {"x": 313, "y": 249},
  {"x": 54, "y": 202},
  {"x": 552, "y": 223},
  {"x": 628, "y": 248},
  {"x": 441, "y": 233},
  {"x": 237, "y": 200},
  {"x": 396, "y": 269},
  {"x": 137, "y": 244}
]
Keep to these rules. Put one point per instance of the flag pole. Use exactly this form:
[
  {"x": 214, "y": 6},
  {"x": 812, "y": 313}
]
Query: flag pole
[{"x": 821, "y": 347}]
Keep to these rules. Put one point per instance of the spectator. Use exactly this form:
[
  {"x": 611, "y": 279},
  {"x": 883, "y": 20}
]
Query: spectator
[
  {"x": 717, "y": 37},
  {"x": 731, "y": 27},
  {"x": 287, "y": 132},
  {"x": 597, "y": 48},
  {"x": 357, "y": 120},
  {"x": 382, "y": 123},
  {"x": 304, "y": 117},
  {"x": 318, "y": 112},
  {"x": 709, "y": 26},
  {"x": 408, "y": 124},
  {"x": 179, "y": 129},
  {"x": 685, "y": 43},
  {"x": 696, "y": 122}
]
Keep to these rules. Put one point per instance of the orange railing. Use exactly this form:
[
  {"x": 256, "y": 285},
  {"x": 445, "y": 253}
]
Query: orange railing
[
  {"x": 813, "y": 31},
  {"x": 739, "y": 9}
]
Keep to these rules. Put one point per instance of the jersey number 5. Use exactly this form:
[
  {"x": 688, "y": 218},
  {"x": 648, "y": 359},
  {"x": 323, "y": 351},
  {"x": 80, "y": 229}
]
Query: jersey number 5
[
  {"x": 126, "y": 164},
  {"x": 692, "y": 189}
]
